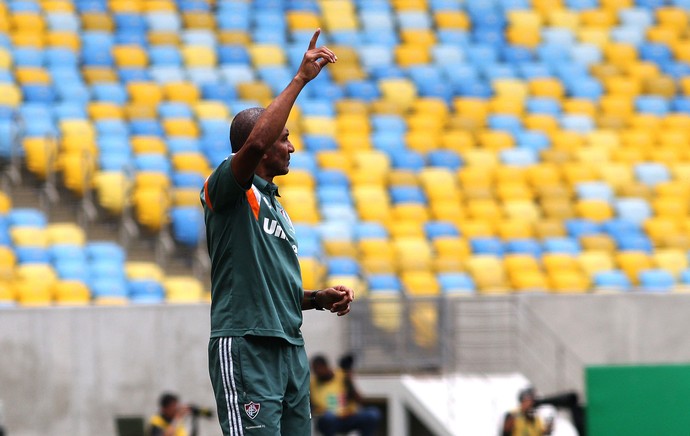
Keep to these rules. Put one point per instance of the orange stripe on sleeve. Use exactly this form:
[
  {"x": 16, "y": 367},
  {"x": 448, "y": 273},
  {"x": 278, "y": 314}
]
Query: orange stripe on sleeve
[
  {"x": 253, "y": 202},
  {"x": 207, "y": 197}
]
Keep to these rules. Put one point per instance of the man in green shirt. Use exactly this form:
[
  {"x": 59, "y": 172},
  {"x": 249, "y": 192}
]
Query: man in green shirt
[{"x": 258, "y": 366}]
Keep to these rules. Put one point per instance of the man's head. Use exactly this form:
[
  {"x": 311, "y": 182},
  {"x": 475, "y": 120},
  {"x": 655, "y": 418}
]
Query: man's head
[
  {"x": 319, "y": 366},
  {"x": 169, "y": 404},
  {"x": 276, "y": 160},
  {"x": 527, "y": 397}
]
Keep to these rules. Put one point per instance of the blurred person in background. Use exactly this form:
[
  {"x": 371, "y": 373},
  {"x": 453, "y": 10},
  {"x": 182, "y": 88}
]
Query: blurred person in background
[
  {"x": 171, "y": 417},
  {"x": 525, "y": 421},
  {"x": 257, "y": 363},
  {"x": 336, "y": 402}
]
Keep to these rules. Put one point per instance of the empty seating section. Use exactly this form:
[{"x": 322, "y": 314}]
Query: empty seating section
[{"x": 457, "y": 147}]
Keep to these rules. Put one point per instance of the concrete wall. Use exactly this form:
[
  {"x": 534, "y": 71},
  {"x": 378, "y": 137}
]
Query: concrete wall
[{"x": 70, "y": 371}]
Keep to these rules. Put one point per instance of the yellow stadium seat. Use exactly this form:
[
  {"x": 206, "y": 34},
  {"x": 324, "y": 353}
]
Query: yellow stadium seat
[
  {"x": 447, "y": 19},
  {"x": 485, "y": 209},
  {"x": 158, "y": 37},
  {"x": 632, "y": 262},
  {"x": 5, "y": 59},
  {"x": 183, "y": 289},
  {"x": 339, "y": 247},
  {"x": 528, "y": 36},
  {"x": 10, "y": 95},
  {"x": 148, "y": 144},
  {"x": 209, "y": 109},
  {"x": 185, "y": 197},
  {"x": 77, "y": 170},
  {"x": 191, "y": 161},
  {"x": 40, "y": 155},
  {"x": 8, "y": 260},
  {"x": 65, "y": 233},
  {"x": 198, "y": 56},
  {"x": 675, "y": 18},
  {"x": 559, "y": 262},
  {"x": 488, "y": 273},
  {"x": 257, "y": 91},
  {"x": 102, "y": 110},
  {"x": 72, "y": 293},
  {"x": 31, "y": 75},
  {"x": 350, "y": 123},
  {"x": 34, "y": 292},
  {"x": 136, "y": 270},
  {"x": 181, "y": 127},
  {"x": 112, "y": 190},
  {"x": 598, "y": 242},
  {"x": 312, "y": 272},
  {"x": 413, "y": 253},
  {"x": 420, "y": 283},
  {"x": 97, "y": 21},
  {"x": 594, "y": 261},
  {"x": 198, "y": 20},
  {"x": 450, "y": 253},
  {"x": 351, "y": 106},
  {"x": 377, "y": 256},
  {"x": 29, "y": 236},
  {"x": 145, "y": 93},
  {"x": 522, "y": 209},
  {"x": 7, "y": 294},
  {"x": 422, "y": 141},
  {"x": 529, "y": 280},
  {"x": 548, "y": 228},
  {"x": 333, "y": 159},
  {"x": 64, "y": 39},
  {"x": 495, "y": 140},
  {"x": 559, "y": 208},
  {"x": 318, "y": 125},
  {"x": 594, "y": 210},
  {"x": 159, "y": 6},
  {"x": 94, "y": 75},
  {"x": 399, "y": 91},
  {"x": 263, "y": 55},
  {"x": 447, "y": 210},
  {"x": 302, "y": 20},
  {"x": 661, "y": 229},
  {"x": 546, "y": 87},
  {"x": 5, "y": 203},
  {"x": 151, "y": 207},
  {"x": 457, "y": 140},
  {"x": 130, "y": 56},
  {"x": 507, "y": 106},
  {"x": 670, "y": 259},
  {"x": 473, "y": 228},
  {"x": 339, "y": 15},
  {"x": 417, "y": 37},
  {"x": 569, "y": 281},
  {"x": 185, "y": 92},
  {"x": 28, "y": 38},
  {"x": 515, "y": 228}
]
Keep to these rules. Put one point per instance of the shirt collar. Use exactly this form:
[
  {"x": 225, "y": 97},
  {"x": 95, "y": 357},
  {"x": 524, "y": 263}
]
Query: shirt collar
[{"x": 265, "y": 186}]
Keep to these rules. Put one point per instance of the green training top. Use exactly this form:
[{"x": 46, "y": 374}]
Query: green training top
[{"x": 256, "y": 282}]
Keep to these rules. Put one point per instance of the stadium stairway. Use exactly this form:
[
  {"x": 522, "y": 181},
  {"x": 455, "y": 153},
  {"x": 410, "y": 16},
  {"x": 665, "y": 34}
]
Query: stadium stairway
[{"x": 64, "y": 206}]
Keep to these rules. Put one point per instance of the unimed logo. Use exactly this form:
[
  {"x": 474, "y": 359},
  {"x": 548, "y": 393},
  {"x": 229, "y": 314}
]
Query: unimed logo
[{"x": 273, "y": 228}]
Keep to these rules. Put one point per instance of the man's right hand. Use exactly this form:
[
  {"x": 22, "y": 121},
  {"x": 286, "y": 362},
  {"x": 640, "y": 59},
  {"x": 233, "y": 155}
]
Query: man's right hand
[{"x": 314, "y": 60}]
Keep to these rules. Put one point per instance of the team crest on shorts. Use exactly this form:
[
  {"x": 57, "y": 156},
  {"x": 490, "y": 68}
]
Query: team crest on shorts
[{"x": 252, "y": 409}]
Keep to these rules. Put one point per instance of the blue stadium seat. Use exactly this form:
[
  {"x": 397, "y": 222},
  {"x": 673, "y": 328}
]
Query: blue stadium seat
[
  {"x": 487, "y": 245},
  {"x": 650, "y": 104},
  {"x": 444, "y": 159},
  {"x": 187, "y": 225},
  {"x": 62, "y": 22},
  {"x": 577, "y": 123},
  {"x": 407, "y": 160},
  {"x": 523, "y": 246},
  {"x": 153, "y": 162},
  {"x": 519, "y": 157},
  {"x": 316, "y": 143},
  {"x": 342, "y": 266},
  {"x": 303, "y": 160},
  {"x": 108, "y": 287},
  {"x": 456, "y": 283},
  {"x": 639, "y": 18},
  {"x": 163, "y": 21},
  {"x": 656, "y": 280},
  {"x": 174, "y": 110},
  {"x": 635, "y": 242},
  {"x": 407, "y": 194},
  {"x": 534, "y": 70},
  {"x": 26, "y": 217},
  {"x": 72, "y": 270},
  {"x": 146, "y": 127},
  {"x": 102, "y": 268},
  {"x": 543, "y": 105},
  {"x": 370, "y": 230},
  {"x": 110, "y": 92},
  {"x": 508, "y": 123},
  {"x": 165, "y": 55},
  {"x": 332, "y": 177},
  {"x": 27, "y": 57},
  {"x": 38, "y": 93},
  {"x": 578, "y": 227},
  {"x": 31, "y": 254},
  {"x": 652, "y": 173},
  {"x": 619, "y": 226},
  {"x": 594, "y": 191},
  {"x": 183, "y": 144},
  {"x": 333, "y": 195},
  {"x": 144, "y": 291},
  {"x": 563, "y": 245},
  {"x": 534, "y": 140},
  {"x": 614, "y": 280},
  {"x": 627, "y": 35},
  {"x": 188, "y": 179},
  {"x": 115, "y": 160},
  {"x": 436, "y": 229},
  {"x": 383, "y": 282},
  {"x": 680, "y": 104}
]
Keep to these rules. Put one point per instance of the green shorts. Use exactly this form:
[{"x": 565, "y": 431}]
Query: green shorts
[{"x": 261, "y": 386}]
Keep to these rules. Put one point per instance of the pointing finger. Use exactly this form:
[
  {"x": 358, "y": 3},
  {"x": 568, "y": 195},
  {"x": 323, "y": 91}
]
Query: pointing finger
[{"x": 312, "y": 43}]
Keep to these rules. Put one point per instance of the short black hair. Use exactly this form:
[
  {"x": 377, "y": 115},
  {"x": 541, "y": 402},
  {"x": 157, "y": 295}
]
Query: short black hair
[
  {"x": 319, "y": 359},
  {"x": 167, "y": 399},
  {"x": 527, "y": 392},
  {"x": 242, "y": 126}
]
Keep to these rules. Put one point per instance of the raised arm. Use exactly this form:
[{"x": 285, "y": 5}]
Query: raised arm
[{"x": 270, "y": 124}]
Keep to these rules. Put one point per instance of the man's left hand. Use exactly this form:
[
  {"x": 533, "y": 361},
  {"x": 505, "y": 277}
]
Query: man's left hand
[{"x": 336, "y": 299}]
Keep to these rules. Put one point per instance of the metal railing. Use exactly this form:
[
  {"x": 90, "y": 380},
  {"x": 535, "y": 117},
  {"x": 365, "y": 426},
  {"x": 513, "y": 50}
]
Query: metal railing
[{"x": 484, "y": 335}]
